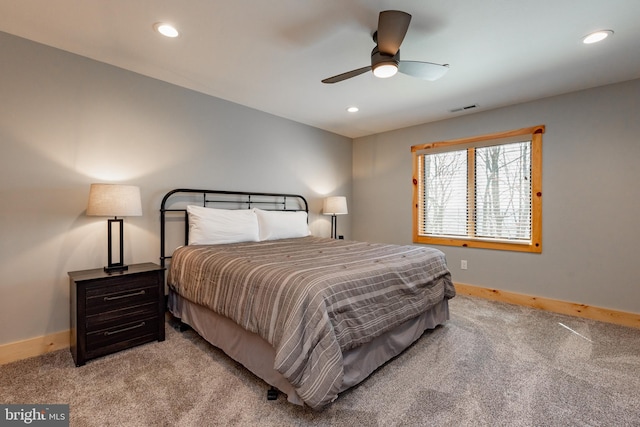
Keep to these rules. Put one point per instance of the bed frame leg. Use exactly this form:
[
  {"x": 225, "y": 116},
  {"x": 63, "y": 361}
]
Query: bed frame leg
[
  {"x": 183, "y": 326},
  {"x": 272, "y": 393}
]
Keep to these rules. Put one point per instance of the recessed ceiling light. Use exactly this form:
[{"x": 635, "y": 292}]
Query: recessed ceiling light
[
  {"x": 353, "y": 109},
  {"x": 596, "y": 36},
  {"x": 166, "y": 30}
]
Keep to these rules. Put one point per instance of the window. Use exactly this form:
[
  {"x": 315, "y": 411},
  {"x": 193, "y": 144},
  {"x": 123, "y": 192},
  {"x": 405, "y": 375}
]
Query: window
[{"x": 483, "y": 191}]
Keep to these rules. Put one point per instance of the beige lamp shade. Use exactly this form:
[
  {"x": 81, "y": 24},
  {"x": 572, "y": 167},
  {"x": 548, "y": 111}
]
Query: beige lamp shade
[
  {"x": 335, "y": 205},
  {"x": 114, "y": 200}
]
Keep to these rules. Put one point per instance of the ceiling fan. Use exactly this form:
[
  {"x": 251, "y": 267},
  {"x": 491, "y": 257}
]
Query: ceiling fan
[{"x": 385, "y": 57}]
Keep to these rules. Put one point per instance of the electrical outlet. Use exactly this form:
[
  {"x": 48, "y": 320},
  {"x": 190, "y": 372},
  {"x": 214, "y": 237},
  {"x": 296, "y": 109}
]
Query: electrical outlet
[{"x": 463, "y": 264}]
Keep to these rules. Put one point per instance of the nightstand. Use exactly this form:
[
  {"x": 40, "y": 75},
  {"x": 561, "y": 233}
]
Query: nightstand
[{"x": 113, "y": 312}]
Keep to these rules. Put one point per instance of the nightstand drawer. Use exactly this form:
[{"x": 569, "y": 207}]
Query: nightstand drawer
[
  {"x": 122, "y": 336},
  {"x": 113, "y": 318},
  {"x": 114, "y": 296}
]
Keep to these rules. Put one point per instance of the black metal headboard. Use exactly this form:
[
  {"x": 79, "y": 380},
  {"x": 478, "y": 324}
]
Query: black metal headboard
[{"x": 174, "y": 207}]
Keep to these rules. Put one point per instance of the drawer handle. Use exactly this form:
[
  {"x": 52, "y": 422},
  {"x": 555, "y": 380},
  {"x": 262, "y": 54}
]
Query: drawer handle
[
  {"x": 142, "y": 292},
  {"x": 139, "y": 325}
]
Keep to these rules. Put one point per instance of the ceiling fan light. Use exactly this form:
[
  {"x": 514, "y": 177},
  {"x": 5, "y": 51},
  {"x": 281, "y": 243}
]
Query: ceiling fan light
[{"x": 385, "y": 70}]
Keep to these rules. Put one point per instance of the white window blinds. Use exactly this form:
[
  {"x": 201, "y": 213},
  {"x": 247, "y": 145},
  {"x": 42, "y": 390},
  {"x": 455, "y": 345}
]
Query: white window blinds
[
  {"x": 445, "y": 194},
  {"x": 480, "y": 192},
  {"x": 503, "y": 191}
]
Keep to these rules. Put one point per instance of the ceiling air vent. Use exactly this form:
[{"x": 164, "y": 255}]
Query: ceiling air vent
[{"x": 468, "y": 107}]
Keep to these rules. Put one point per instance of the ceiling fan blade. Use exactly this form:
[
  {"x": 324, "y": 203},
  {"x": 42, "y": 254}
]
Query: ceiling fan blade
[
  {"x": 347, "y": 75},
  {"x": 423, "y": 70},
  {"x": 392, "y": 27}
]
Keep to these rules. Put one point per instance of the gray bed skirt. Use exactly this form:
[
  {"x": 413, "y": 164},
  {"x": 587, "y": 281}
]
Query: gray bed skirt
[{"x": 257, "y": 355}]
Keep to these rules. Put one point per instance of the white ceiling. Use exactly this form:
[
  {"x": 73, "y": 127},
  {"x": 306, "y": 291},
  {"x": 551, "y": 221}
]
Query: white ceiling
[{"x": 271, "y": 54}]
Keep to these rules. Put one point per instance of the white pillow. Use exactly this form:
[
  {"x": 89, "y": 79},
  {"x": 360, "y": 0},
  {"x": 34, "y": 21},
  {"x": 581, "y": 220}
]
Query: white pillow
[
  {"x": 209, "y": 226},
  {"x": 282, "y": 224}
]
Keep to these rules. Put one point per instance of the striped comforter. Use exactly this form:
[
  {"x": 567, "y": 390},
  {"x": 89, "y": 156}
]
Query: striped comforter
[{"x": 312, "y": 298}]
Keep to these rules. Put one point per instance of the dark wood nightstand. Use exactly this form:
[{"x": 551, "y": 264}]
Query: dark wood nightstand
[{"x": 112, "y": 312}]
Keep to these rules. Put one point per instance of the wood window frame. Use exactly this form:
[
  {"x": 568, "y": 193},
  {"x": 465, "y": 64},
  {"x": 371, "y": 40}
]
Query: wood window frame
[{"x": 535, "y": 246}]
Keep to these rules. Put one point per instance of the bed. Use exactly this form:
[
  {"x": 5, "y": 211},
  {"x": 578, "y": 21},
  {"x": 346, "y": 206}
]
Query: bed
[{"x": 311, "y": 316}]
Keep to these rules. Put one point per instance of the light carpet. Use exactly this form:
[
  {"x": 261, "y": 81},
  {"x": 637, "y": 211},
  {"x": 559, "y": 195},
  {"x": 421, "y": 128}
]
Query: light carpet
[{"x": 491, "y": 364}]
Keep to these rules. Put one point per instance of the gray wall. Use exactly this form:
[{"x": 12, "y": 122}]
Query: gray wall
[
  {"x": 591, "y": 201},
  {"x": 68, "y": 121}
]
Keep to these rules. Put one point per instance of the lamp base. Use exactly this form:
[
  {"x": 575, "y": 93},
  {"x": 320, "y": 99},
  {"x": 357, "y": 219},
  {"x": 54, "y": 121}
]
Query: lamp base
[
  {"x": 334, "y": 226},
  {"x": 115, "y": 268},
  {"x": 119, "y": 266}
]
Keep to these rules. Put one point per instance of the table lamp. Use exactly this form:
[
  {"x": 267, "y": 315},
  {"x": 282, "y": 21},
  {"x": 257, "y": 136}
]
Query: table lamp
[
  {"x": 114, "y": 200},
  {"x": 335, "y": 205}
]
